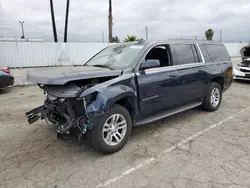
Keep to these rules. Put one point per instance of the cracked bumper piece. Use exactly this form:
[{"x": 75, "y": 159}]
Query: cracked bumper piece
[{"x": 35, "y": 114}]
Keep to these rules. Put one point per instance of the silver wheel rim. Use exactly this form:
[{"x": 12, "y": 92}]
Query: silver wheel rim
[
  {"x": 215, "y": 97},
  {"x": 114, "y": 129}
]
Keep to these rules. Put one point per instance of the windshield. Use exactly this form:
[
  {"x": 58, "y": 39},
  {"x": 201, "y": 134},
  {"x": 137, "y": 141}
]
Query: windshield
[{"x": 117, "y": 57}]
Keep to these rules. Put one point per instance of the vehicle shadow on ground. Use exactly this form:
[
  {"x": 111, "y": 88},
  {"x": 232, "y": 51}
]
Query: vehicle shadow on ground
[
  {"x": 4, "y": 90},
  {"x": 242, "y": 81},
  {"x": 165, "y": 123},
  {"x": 138, "y": 133},
  {"x": 45, "y": 145}
]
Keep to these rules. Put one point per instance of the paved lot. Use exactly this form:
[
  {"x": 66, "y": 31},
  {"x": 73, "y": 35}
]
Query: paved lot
[{"x": 191, "y": 149}]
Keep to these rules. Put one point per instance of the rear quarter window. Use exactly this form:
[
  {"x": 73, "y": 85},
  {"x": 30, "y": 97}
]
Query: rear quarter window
[{"x": 216, "y": 52}]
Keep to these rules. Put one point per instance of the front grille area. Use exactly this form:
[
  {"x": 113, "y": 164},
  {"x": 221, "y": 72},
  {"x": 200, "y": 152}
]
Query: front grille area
[
  {"x": 244, "y": 70},
  {"x": 246, "y": 76}
]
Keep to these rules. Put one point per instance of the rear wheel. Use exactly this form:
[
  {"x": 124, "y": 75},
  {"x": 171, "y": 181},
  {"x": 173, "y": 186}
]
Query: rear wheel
[
  {"x": 113, "y": 130},
  {"x": 212, "y": 100}
]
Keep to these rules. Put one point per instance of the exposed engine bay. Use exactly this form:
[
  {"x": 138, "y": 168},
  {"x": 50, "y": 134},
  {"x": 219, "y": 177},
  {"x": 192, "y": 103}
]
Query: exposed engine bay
[
  {"x": 245, "y": 63},
  {"x": 65, "y": 109}
]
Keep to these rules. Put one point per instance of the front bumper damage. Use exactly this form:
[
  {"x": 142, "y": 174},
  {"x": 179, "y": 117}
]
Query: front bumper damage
[
  {"x": 69, "y": 116},
  {"x": 35, "y": 114}
]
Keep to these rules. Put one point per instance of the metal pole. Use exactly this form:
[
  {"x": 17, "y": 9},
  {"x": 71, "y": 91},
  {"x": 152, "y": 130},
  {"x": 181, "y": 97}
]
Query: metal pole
[
  {"x": 66, "y": 22},
  {"x": 22, "y": 22},
  {"x": 102, "y": 36},
  {"x": 146, "y": 33},
  {"x": 220, "y": 36},
  {"x": 53, "y": 21}
]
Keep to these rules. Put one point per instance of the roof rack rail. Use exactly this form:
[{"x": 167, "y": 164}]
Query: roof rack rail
[{"x": 140, "y": 40}]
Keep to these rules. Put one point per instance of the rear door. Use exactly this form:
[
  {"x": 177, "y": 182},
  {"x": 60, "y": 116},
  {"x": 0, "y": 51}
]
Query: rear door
[{"x": 192, "y": 73}]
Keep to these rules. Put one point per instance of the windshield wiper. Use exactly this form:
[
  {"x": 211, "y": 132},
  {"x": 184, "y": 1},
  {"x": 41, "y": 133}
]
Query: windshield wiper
[{"x": 103, "y": 66}]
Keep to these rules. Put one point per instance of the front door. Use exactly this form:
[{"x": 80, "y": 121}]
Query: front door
[{"x": 158, "y": 87}]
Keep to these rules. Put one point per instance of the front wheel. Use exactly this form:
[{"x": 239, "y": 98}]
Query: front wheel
[
  {"x": 113, "y": 130},
  {"x": 212, "y": 100}
]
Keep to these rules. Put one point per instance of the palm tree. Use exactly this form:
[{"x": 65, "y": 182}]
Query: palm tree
[
  {"x": 114, "y": 39},
  {"x": 66, "y": 22},
  {"x": 209, "y": 34},
  {"x": 53, "y": 21},
  {"x": 130, "y": 38},
  {"x": 110, "y": 21}
]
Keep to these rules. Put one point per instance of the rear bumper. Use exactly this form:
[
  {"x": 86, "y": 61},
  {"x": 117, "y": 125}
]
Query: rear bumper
[{"x": 35, "y": 114}]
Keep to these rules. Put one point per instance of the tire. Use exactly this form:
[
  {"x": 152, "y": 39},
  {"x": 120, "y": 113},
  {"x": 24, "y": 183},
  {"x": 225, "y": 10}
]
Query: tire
[
  {"x": 208, "y": 103},
  {"x": 96, "y": 137}
]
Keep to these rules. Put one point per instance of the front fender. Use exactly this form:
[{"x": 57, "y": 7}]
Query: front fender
[
  {"x": 105, "y": 98},
  {"x": 108, "y": 96}
]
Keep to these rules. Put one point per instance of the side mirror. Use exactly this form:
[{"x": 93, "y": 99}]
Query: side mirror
[{"x": 150, "y": 63}]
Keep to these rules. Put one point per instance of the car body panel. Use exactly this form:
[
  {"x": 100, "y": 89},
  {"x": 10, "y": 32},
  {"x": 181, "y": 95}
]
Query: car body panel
[
  {"x": 157, "y": 89},
  {"x": 6, "y": 79},
  {"x": 221, "y": 69},
  {"x": 63, "y": 75},
  {"x": 242, "y": 73},
  {"x": 193, "y": 82}
]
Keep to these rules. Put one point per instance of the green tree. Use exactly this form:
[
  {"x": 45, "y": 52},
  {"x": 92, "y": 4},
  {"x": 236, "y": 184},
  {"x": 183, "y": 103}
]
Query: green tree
[
  {"x": 114, "y": 40},
  {"x": 209, "y": 34},
  {"x": 130, "y": 38}
]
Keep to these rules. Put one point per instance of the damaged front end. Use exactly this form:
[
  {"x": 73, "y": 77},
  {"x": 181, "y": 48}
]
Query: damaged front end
[{"x": 65, "y": 109}]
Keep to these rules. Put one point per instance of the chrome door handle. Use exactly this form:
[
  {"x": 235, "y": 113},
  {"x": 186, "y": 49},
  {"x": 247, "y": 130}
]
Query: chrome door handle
[{"x": 173, "y": 75}]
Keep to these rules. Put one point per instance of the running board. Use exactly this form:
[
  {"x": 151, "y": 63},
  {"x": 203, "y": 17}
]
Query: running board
[{"x": 167, "y": 113}]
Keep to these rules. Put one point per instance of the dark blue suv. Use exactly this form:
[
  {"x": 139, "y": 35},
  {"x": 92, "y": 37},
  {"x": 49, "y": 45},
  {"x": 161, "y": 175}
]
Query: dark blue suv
[{"x": 131, "y": 84}]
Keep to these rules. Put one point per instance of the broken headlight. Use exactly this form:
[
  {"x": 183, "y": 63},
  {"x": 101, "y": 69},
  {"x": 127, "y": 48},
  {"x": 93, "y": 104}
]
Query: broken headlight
[{"x": 90, "y": 98}]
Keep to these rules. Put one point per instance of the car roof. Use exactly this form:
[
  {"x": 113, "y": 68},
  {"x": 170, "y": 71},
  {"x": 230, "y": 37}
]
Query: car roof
[{"x": 176, "y": 41}]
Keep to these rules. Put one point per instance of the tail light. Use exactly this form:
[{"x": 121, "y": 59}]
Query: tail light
[{"x": 6, "y": 70}]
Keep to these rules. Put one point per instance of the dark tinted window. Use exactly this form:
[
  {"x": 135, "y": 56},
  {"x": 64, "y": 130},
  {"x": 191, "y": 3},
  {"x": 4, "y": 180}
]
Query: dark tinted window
[
  {"x": 182, "y": 54},
  {"x": 205, "y": 54},
  {"x": 197, "y": 55},
  {"x": 217, "y": 52}
]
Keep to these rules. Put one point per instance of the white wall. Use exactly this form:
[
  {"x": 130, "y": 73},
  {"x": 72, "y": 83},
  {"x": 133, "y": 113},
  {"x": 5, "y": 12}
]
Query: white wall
[
  {"x": 234, "y": 48},
  {"x": 32, "y": 54},
  {"x": 26, "y": 54}
]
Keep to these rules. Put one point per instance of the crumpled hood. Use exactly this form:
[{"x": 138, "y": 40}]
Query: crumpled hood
[
  {"x": 242, "y": 52},
  {"x": 62, "y": 75}
]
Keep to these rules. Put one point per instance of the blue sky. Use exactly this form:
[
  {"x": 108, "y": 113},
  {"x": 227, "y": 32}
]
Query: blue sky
[{"x": 164, "y": 18}]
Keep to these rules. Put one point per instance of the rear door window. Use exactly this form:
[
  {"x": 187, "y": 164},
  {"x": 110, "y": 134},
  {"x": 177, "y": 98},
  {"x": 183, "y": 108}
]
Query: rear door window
[
  {"x": 217, "y": 52},
  {"x": 182, "y": 54},
  {"x": 205, "y": 54},
  {"x": 196, "y": 53}
]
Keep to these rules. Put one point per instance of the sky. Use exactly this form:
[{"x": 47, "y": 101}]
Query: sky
[{"x": 165, "y": 19}]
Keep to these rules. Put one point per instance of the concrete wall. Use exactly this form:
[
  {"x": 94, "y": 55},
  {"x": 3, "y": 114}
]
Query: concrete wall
[{"x": 33, "y": 54}]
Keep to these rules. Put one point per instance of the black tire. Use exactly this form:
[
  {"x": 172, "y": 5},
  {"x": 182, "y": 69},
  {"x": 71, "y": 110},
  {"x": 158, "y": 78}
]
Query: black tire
[
  {"x": 95, "y": 136},
  {"x": 207, "y": 104}
]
